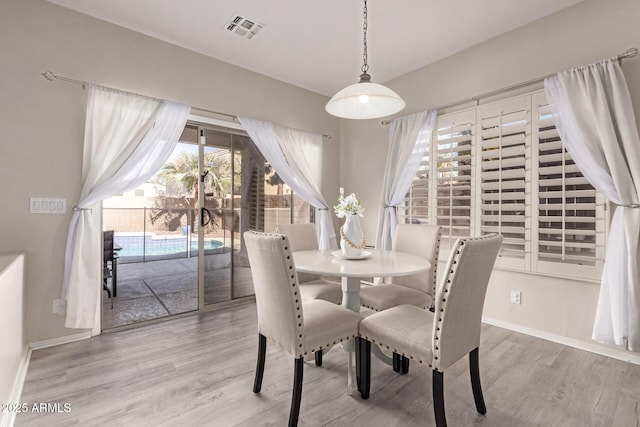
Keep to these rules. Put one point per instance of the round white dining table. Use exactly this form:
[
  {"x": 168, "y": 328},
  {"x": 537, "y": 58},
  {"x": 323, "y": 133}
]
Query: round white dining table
[{"x": 352, "y": 271}]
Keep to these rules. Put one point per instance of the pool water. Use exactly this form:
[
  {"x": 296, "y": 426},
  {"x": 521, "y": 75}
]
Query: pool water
[{"x": 150, "y": 245}]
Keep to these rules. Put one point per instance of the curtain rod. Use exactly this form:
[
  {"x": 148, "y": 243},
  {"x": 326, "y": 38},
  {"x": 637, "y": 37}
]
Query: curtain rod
[
  {"x": 629, "y": 53},
  {"x": 49, "y": 75}
]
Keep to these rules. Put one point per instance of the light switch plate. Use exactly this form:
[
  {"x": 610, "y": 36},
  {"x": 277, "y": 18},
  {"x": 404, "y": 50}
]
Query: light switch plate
[{"x": 47, "y": 205}]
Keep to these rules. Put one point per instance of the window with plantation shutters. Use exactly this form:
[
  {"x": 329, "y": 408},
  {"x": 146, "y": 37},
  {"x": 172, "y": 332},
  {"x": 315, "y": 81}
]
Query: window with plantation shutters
[
  {"x": 570, "y": 213},
  {"x": 441, "y": 191},
  {"x": 452, "y": 153},
  {"x": 501, "y": 167},
  {"x": 504, "y": 129},
  {"x": 415, "y": 207}
]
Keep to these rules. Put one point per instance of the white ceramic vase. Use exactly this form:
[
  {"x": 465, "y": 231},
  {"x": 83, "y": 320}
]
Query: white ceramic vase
[{"x": 353, "y": 232}]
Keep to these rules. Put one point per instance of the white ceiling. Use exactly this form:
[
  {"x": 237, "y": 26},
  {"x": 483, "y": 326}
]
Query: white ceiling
[{"x": 317, "y": 44}]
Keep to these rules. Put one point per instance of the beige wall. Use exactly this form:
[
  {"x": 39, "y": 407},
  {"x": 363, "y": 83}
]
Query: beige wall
[
  {"x": 41, "y": 126},
  {"x": 42, "y": 122},
  {"x": 587, "y": 32}
]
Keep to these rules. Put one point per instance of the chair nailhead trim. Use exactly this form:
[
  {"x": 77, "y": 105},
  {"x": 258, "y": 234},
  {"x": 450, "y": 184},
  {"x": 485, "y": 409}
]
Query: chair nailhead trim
[
  {"x": 293, "y": 285},
  {"x": 450, "y": 278},
  {"x": 327, "y": 345}
]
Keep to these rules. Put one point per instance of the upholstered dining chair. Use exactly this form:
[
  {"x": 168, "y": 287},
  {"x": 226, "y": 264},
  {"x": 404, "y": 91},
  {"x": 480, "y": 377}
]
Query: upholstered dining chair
[
  {"x": 303, "y": 237},
  {"x": 438, "y": 339},
  {"x": 417, "y": 239},
  {"x": 298, "y": 327}
]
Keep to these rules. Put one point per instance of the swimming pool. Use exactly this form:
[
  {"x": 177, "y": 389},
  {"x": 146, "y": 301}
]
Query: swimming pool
[{"x": 154, "y": 245}]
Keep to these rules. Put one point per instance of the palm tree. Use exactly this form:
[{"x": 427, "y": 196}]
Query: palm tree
[{"x": 182, "y": 176}]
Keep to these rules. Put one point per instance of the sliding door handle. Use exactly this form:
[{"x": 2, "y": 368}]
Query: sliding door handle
[{"x": 205, "y": 212}]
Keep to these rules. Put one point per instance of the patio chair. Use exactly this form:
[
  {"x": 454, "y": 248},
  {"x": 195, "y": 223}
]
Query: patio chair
[{"x": 109, "y": 265}]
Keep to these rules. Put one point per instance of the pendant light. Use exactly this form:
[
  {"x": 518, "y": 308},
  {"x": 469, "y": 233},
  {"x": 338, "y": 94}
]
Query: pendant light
[{"x": 365, "y": 100}]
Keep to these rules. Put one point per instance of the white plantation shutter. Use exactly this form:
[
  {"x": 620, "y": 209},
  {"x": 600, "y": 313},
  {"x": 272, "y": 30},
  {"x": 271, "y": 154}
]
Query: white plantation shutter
[
  {"x": 501, "y": 167},
  {"x": 415, "y": 207},
  {"x": 452, "y": 179},
  {"x": 570, "y": 213},
  {"x": 504, "y": 130}
]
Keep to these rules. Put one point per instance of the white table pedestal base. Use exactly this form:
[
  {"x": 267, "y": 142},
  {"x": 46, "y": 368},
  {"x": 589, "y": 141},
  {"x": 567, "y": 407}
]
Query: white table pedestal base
[{"x": 350, "y": 300}]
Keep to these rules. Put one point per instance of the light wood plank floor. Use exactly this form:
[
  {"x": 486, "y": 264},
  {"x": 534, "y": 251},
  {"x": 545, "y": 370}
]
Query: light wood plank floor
[{"x": 198, "y": 371}]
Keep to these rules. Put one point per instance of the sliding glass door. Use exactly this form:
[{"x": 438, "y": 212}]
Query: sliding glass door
[
  {"x": 231, "y": 198},
  {"x": 179, "y": 236}
]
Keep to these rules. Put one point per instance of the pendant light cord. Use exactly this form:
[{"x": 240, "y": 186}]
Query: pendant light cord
[{"x": 365, "y": 66}]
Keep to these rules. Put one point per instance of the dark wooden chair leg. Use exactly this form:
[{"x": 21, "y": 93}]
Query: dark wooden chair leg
[
  {"x": 397, "y": 362},
  {"x": 318, "y": 358},
  {"x": 262, "y": 350},
  {"x": 474, "y": 370},
  {"x": 438, "y": 399},
  {"x": 297, "y": 391},
  {"x": 400, "y": 363},
  {"x": 404, "y": 365},
  {"x": 358, "y": 362},
  {"x": 363, "y": 366}
]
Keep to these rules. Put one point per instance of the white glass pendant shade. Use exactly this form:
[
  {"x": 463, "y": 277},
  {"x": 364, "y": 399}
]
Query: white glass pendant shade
[{"x": 365, "y": 100}]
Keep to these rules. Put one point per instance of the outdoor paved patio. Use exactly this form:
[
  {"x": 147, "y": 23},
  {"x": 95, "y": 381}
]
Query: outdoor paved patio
[{"x": 156, "y": 289}]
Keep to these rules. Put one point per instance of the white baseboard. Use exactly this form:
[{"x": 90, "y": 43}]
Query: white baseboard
[
  {"x": 39, "y": 345},
  {"x": 9, "y": 418},
  {"x": 614, "y": 353}
]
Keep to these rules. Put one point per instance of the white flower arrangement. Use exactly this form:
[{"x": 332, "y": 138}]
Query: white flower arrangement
[{"x": 349, "y": 205}]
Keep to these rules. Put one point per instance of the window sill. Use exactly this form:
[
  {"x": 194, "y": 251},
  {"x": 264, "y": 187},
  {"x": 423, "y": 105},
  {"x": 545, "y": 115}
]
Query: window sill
[{"x": 538, "y": 273}]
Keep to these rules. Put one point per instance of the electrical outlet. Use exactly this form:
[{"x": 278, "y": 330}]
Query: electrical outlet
[
  {"x": 516, "y": 297},
  {"x": 59, "y": 306}
]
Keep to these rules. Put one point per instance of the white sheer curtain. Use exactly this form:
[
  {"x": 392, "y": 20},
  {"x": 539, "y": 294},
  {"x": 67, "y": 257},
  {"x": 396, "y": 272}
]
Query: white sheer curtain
[
  {"x": 127, "y": 139},
  {"x": 409, "y": 139},
  {"x": 595, "y": 119},
  {"x": 296, "y": 157}
]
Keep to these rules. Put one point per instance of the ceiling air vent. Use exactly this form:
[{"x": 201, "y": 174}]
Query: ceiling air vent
[{"x": 243, "y": 26}]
